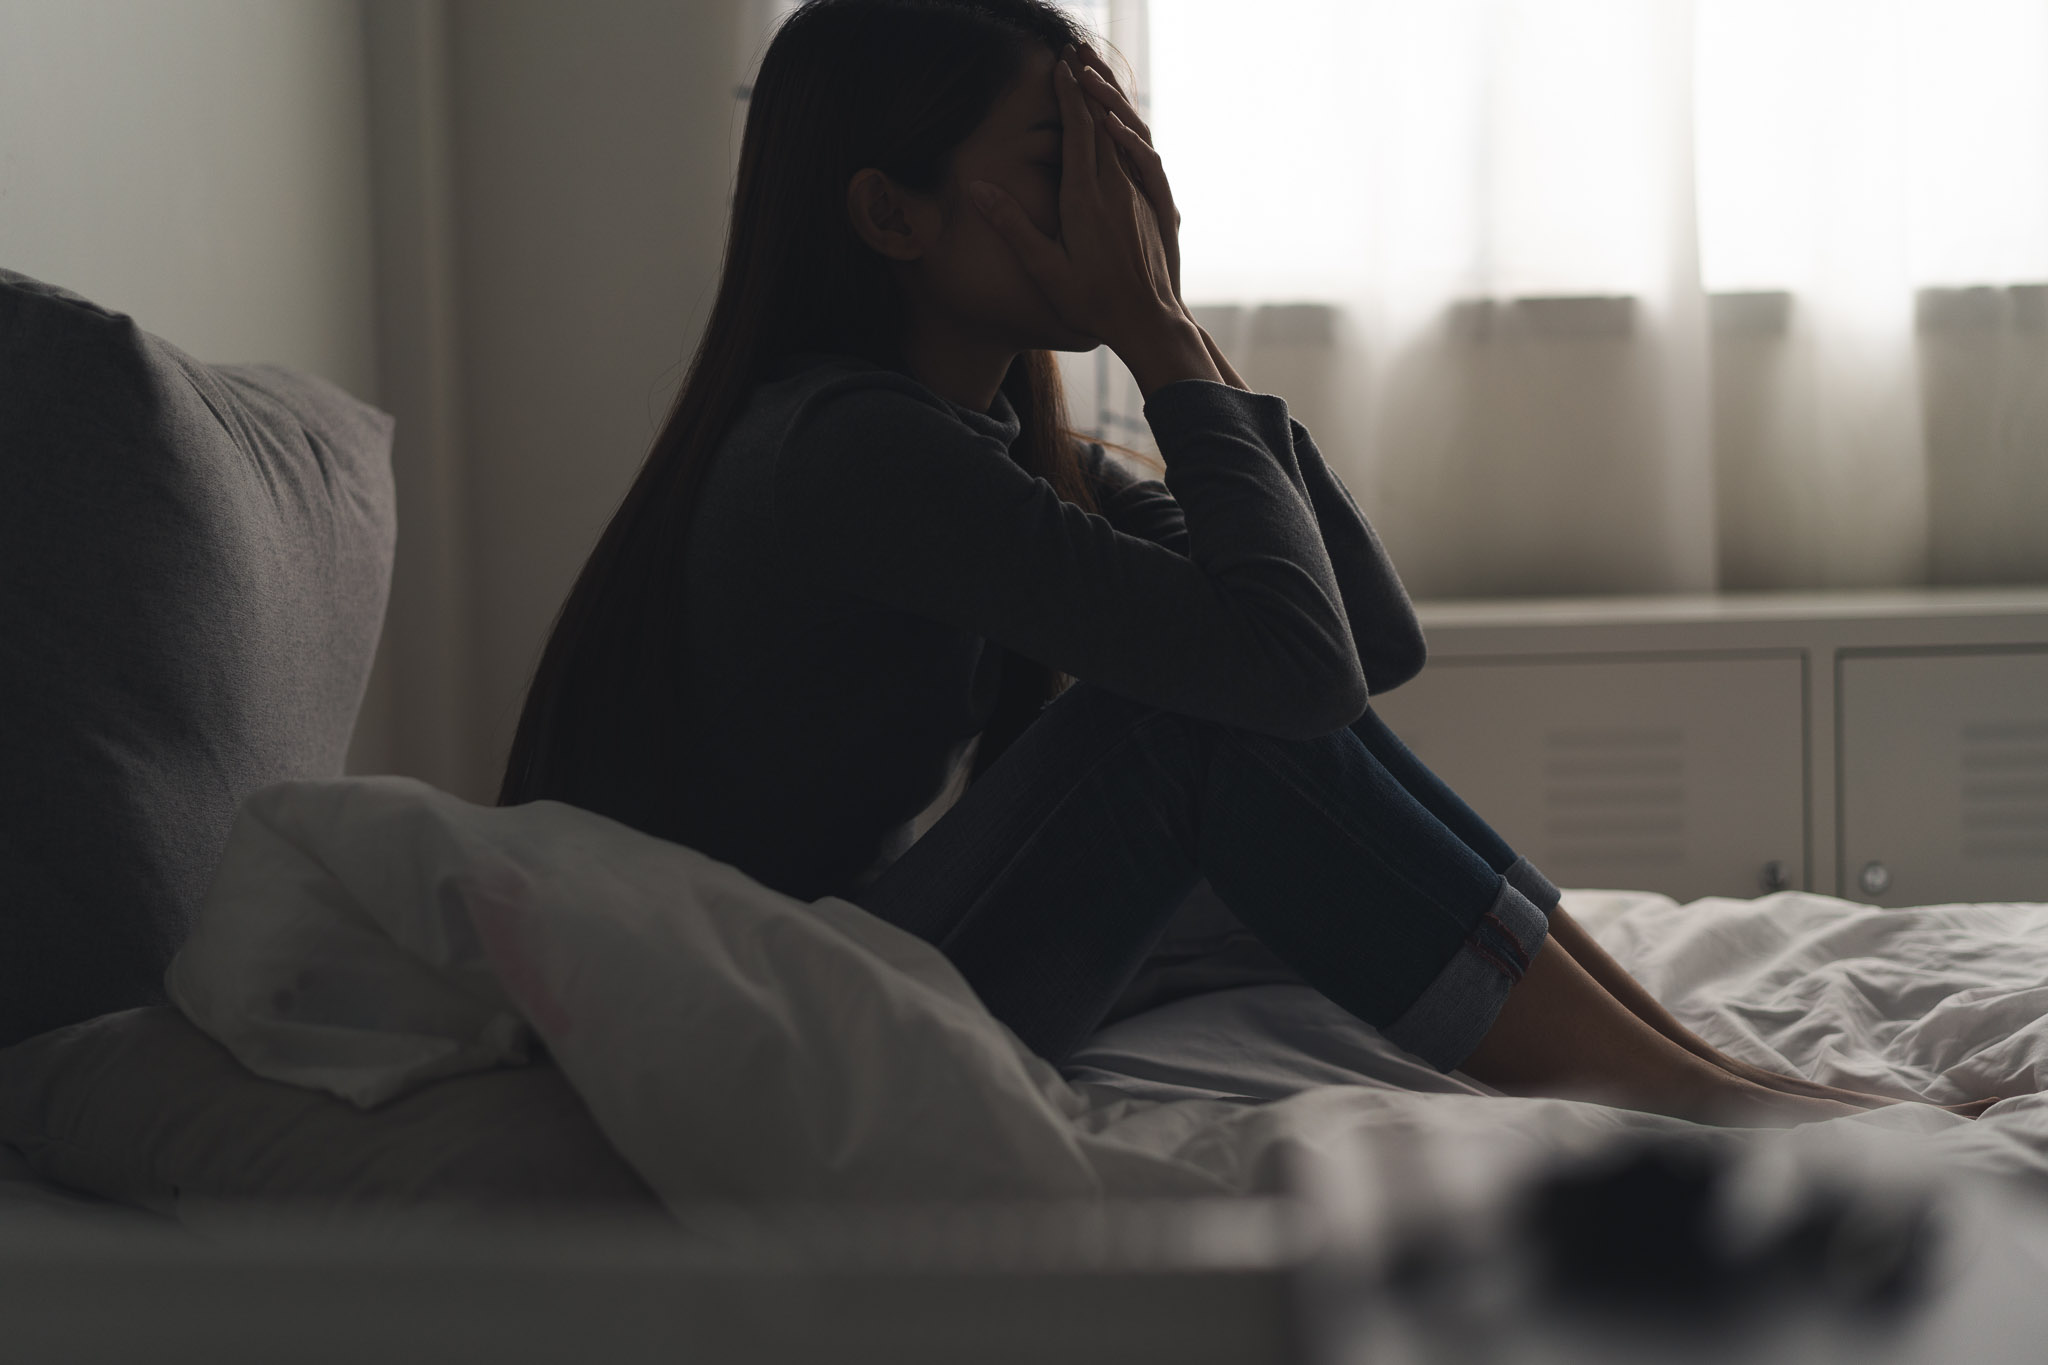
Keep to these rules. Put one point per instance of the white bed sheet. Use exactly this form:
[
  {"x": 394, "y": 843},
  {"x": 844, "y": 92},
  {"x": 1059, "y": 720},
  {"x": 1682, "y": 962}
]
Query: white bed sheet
[
  {"x": 1237, "y": 1090},
  {"x": 368, "y": 934},
  {"x": 1943, "y": 1002}
]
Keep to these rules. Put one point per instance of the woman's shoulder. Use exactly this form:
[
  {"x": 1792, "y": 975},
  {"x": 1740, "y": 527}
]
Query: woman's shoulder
[
  {"x": 827, "y": 399},
  {"x": 810, "y": 377}
]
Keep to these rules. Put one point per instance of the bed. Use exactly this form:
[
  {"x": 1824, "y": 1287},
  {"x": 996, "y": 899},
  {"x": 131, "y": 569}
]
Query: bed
[
  {"x": 432, "y": 1078},
  {"x": 1266, "y": 1086}
]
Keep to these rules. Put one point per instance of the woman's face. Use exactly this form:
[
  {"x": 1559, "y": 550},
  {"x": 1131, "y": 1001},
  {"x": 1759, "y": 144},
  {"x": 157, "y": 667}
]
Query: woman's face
[{"x": 952, "y": 263}]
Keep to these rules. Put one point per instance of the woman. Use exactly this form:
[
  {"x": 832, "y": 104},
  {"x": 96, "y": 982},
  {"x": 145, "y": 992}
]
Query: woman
[{"x": 866, "y": 539}]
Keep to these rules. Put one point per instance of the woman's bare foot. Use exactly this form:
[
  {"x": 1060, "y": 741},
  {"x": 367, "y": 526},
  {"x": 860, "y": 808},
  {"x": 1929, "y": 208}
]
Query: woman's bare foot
[
  {"x": 1559, "y": 1032},
  {"x": 1714, "y": 1096},
  {"x": 1757, "y": 1106},
  {"x": 1799, "y": 1085},
  {"x": 1568, "y": 934}
]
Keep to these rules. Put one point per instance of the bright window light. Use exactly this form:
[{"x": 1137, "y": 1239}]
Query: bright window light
[{"x": 1549, "y": 146}]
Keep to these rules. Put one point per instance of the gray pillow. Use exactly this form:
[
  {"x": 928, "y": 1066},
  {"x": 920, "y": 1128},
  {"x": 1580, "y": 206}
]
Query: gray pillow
[
  {"x": 142, "y": 1108},
  {"x": 193, "y": 567}
]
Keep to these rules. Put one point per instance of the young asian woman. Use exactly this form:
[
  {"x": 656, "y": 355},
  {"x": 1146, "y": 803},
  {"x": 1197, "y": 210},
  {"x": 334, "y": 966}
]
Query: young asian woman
[{"x": 867, "y": 542}]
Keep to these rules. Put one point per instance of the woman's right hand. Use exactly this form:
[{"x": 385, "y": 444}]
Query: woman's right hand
[
  {"x": 1142, "y": 163},
  {"x": 1107, "y": 275},
  {"x": 1148, "y": 172}
]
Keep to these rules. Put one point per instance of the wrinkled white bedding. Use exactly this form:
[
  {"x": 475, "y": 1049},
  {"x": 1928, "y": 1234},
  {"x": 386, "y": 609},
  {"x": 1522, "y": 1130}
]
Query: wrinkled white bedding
[
  {"x": 367, "y": 935},
  {"x": 1942, "y": 1002}
]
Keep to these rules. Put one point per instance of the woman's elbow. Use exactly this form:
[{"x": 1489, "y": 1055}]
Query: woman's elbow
[
  {"x": 1331, "y": 706},
  {"x": 1396, "y": 661}
]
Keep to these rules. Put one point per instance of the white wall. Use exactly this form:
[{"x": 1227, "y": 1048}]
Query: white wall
[
  {"x": 499, "y": 219},
  {"x": 202, "y": 166}
]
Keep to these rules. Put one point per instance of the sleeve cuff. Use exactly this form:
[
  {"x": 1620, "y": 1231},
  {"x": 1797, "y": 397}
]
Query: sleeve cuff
[{"x": 1189, "y": 406}]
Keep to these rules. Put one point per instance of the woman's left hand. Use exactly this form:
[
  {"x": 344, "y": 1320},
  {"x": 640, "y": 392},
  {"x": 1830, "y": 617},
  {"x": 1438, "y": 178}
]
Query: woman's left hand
[{"x": 1134, "y": 142}]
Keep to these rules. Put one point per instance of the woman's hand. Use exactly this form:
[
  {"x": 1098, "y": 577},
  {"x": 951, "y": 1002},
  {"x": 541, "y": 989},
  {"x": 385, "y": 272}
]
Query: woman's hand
[
  {"x": 1108, "y": 274},
  {"x": 1149, "y": 173},
  {"x": 1143, "y": 163}
]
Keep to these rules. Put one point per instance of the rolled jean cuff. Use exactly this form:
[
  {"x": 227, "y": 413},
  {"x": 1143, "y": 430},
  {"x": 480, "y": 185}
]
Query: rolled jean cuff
[
  {"x": 1454, "y": 1011},
  {"x": 1524, "y": 877}
]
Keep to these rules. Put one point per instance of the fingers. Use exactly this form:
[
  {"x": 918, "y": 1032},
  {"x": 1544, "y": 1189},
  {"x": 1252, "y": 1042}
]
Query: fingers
[
  {"x": 1115, "y": 168},
  {"x": 1127, "y": 130},
  {"x": 1077, "y": 129},
  {"x": 1109, "y": 164},
  {"x": 1127, "y": 138},
  {"x": 1040, "y": 254},
  {"x": 1098, "y": 83},
  {"x": 1147, "y": 169}
]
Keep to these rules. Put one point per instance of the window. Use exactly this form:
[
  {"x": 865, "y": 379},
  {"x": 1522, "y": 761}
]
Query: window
[{"x": 1589, "y": 147}]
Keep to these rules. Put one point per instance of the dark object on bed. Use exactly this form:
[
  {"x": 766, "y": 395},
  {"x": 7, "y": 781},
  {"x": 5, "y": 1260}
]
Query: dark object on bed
[
  {"x": 193, "y": 567},
  {"x": 1660, "y": 1224},
  {"x": 141, "y": 1108}
]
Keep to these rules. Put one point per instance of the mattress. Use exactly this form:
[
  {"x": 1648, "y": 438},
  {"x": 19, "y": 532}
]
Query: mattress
[
  {"x": 1271, "y": 1088},
  {"x": 1945, "y": 1003},
  {"x": 1942, "y": 1002}
]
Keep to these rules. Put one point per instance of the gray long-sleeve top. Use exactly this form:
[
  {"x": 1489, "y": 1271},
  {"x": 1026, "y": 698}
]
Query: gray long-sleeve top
[{"x": 866, "y": 553}]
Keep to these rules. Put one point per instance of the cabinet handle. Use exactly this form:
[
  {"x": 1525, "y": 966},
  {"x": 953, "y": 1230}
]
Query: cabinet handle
[
  {"x": 1875, "y": 878},
  {"x": 1775, "y": 877}
]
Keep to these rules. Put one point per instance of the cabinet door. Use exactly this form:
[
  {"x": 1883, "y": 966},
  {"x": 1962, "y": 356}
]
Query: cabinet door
[
  {"x": 1682, "y": 775},
  {"x": 1944, "y": 777}
]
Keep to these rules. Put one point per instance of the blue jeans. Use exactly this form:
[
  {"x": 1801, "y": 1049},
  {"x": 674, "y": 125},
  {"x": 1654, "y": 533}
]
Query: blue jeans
[{"x": 1050, "y": 879}]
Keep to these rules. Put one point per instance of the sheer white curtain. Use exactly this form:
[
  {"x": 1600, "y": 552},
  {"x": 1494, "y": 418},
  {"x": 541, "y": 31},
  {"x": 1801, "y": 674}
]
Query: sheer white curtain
[{"x": 1629, "y": 295}]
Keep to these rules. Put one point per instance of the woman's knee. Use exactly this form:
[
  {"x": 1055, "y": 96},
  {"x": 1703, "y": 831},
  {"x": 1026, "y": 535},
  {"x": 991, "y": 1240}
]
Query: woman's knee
[{"x": 1099, "y": 718}]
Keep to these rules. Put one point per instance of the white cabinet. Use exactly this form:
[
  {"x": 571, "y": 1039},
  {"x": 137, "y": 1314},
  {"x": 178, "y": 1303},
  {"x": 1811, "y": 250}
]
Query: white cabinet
[
  {"x": 1944, "y": 762},
  {"x": 1884, "y": 746},
  {"x": 1683, "y": 774}
]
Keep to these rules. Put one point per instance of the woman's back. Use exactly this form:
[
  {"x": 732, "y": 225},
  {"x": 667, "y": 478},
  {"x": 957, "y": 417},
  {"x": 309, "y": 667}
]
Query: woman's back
[{"x": 820, "y": 720}]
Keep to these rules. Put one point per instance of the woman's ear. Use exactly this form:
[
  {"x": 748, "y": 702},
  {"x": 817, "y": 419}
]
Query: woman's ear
[{"x": 887, "y": 217}]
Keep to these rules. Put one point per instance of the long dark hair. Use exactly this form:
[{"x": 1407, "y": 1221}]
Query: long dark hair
[{"x": 845, "y": 84}]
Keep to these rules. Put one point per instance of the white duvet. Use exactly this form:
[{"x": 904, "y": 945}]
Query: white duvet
[{"x": 368, "y": 935}]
